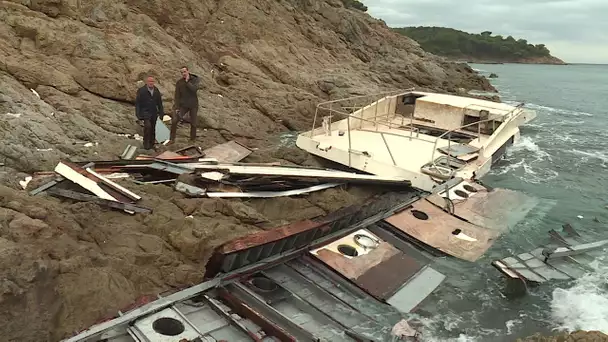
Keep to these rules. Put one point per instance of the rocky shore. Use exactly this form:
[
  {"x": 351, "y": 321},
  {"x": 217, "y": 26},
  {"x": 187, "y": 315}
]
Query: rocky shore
[{"x": 68, "y": 75}]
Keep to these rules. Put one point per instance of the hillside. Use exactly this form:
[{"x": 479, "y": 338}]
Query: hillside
[
  {"x": 483, "y": 47},
  {"x": 265, "y": 64}
]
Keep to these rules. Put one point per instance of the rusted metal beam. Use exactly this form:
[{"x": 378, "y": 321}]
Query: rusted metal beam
[
  {"x": 248, "y": 312},
  {"x": 267, "y": 236}
]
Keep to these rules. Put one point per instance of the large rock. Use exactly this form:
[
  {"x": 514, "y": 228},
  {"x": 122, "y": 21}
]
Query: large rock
[
  {"x": 68, "y": 75},
  {"x": 264, "y": 64}
]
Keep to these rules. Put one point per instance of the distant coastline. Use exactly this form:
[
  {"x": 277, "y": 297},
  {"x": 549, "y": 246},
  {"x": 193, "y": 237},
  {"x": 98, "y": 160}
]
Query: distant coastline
[
  {"x": 482, "y": 48},
  {"x": 545, "y": 62}
]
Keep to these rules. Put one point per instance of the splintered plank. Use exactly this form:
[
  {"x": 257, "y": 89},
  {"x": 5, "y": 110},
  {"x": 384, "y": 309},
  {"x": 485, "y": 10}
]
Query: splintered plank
[
  {"x": 103, "y": 202},
  {"x": 87, "y": 183},
  {"x": 427, "y": 223},
  {"x": 230, "y": 152},
  {"x": 124, "y": 191}
]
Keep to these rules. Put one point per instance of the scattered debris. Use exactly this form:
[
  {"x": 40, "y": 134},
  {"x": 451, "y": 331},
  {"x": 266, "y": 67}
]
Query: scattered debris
[
  {"x": 88, "y": 198},
  {"x": 214, "y": 172},
  {"x": 162, "y": 132},
  {"x": 129, "y": 152},
  {"x": 35, "y": 93},
  {"x": 566, "y": 257},
  {"x": 25, "y": 182},
  {"x": 14, "y": 115}
]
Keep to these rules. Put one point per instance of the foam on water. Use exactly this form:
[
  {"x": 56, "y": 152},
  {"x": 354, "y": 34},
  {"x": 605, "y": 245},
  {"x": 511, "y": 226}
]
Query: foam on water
[
  {"x": 525, "y": 155},
  {"x": 584, "y": 306}
]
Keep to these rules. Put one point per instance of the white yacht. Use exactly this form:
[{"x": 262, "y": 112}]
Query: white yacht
[{"x": 427, "y": 138}]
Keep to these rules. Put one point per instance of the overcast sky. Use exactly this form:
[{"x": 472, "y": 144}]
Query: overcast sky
[{"x": 574, "y": 30}]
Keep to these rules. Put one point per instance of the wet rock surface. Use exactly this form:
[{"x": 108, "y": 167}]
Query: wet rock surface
[{"x": 68, "y": 75}]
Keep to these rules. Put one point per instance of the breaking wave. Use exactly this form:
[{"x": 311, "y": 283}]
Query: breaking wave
[
  {"x": 551, "y": 110},
  {"x": 527, "y": 161},
  {"x": 584, "y": 306}
]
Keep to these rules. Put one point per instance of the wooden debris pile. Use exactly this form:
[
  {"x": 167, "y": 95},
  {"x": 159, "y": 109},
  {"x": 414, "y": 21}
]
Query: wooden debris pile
[{"x": 215, "y": 172}]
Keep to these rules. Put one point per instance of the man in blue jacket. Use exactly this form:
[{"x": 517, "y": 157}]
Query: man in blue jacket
[{"x": 148, "y": 107}]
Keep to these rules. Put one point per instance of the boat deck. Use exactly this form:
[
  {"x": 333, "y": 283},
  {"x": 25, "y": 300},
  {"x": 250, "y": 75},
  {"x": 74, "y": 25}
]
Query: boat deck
[{"x": 402, "y": 147}]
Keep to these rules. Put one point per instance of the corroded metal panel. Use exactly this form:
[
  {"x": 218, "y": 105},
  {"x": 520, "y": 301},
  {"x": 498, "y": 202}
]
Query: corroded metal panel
[{"x": 429, "y": 224}]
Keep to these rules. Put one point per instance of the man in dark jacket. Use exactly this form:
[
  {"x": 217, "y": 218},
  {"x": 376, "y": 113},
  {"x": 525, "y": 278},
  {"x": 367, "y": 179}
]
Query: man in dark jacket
[
  {"x": 185, "y": 102},
  {"x": 148, "y": 107}
]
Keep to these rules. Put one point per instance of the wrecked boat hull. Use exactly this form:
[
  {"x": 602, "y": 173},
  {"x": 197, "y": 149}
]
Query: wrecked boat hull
[
  {"x": 424, "y": 137},
  {"x": 274, "y": 285}
]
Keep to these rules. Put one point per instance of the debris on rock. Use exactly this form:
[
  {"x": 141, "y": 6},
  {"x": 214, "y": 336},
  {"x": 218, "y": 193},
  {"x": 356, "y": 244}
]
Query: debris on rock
[{"x": 214, "y": 172}]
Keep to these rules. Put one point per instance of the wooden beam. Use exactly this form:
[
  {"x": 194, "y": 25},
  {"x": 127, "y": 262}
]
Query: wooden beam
[
  {"x": 103, "y": 202},
  {"x": 74, "y": 176}
]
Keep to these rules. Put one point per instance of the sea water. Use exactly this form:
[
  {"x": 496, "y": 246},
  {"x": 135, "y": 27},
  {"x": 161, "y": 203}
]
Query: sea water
[{"x": 562, "y": 160}]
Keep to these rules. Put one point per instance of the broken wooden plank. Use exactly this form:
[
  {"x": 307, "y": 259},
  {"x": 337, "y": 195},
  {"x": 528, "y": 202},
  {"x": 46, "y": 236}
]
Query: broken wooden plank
[
  {"x": 325, "y": 175},
  {"x": 162, "y": 181},
  {"x": 88, "y": 184},
  {"x": 560, "y": 252},
  {"x": 228, "y": 152},
  {"x": 270, "y": 194},
  {"x": 103, "y": 202},
  {"x": 128, "y": 193}
]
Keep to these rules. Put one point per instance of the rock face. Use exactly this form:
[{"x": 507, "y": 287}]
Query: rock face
[
  {"x": 69, "y": 70},
  {"x": 265, "y": 64}
]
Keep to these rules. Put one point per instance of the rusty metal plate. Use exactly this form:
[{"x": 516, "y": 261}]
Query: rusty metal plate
[
  {"x": 384, "y": 279},
  {"x": 431, "y": 225},
  {"x": 267, "y": 236},
  {"x": 381, "y": 272}
]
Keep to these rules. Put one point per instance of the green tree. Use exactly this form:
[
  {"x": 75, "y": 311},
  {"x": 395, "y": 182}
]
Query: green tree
[
  {"x": 355, "y": 5},
  {"x": 458, "y": 44}
]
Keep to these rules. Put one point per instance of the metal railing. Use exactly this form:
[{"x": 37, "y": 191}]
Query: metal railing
[
  {"x": 348, "y": 108},
  {"x": 338, "y": 107}
]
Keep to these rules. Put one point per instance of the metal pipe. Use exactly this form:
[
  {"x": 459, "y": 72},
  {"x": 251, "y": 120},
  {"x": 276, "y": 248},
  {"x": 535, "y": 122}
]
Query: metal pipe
[
  {"x": 314, "y": 121},
  {"x": 376, "y": 115},
  {"x": 349, "y": 145},
  {"x": 388, "y": 149}
]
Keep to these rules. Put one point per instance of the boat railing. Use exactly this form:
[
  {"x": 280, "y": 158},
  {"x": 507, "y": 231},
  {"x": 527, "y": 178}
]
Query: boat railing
[
  {"x": 351, "y": 106},
  {"x": 348, "y": 108},
  {"x": 506, "y": 118},
  {"x": 338, "y": 107}
]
